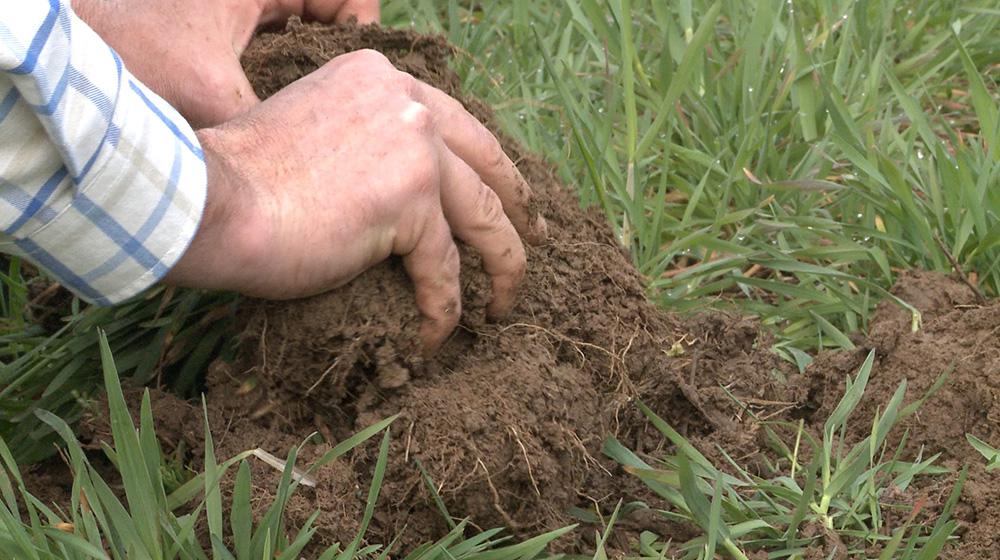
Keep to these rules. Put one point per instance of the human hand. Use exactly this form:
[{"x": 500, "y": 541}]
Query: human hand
[
  {"x": 188, "y": 51},
  {"x": 332, "y": 175}
]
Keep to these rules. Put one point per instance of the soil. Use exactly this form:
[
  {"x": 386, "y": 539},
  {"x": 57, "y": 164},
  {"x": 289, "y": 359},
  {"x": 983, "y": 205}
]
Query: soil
[
  {"x": 508, "y": 419},
  {"x": 959, "y": 338}
]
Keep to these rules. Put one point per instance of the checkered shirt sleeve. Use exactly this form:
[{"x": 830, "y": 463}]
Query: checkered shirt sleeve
[{"x": 102, "y": 183}]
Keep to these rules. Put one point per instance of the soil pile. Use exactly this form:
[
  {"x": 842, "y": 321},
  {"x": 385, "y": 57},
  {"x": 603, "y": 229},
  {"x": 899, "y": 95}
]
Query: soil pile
[{"x": 508, "y": 419}]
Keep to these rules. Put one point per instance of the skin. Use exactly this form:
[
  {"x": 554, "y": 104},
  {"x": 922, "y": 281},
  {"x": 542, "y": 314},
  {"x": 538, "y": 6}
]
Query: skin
[
  {"x": 188, "y": 51},
  {"x": 343, "y": 168}
]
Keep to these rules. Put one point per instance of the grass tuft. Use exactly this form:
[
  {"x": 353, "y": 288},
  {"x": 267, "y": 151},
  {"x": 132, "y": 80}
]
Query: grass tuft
[
  {"x": 153, "y": 523},
  {"x": 831, "y": 494}
]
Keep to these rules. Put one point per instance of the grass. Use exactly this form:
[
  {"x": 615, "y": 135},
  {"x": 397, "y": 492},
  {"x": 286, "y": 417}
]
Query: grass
[
  {"x": 841, "y": 490},
  {"x": 165, "y": 336},
  {"x": 785, "y": 159},
  {"x": 189, "y": 521},
  {"x": 831, "y": 484}
]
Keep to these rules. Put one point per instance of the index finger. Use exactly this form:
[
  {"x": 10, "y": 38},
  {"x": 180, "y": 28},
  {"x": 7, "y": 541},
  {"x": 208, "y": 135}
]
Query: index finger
[
  {"x": 471, "y": 141},
  {"x": 366, "y": 11}
]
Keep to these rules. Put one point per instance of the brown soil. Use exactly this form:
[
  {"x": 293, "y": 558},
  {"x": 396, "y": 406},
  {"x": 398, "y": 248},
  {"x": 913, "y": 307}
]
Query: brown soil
[
  {"x": 508, "y": 419},
  {"x": 959, "y": 337}
]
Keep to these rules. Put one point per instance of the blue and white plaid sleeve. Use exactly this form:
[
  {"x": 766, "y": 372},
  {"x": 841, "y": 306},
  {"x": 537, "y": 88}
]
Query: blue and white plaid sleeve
[{"x": 102, "y": 183}]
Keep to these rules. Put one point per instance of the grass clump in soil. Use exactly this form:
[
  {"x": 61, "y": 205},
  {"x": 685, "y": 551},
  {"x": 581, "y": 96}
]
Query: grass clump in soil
[{"x": 822, "y": 498}]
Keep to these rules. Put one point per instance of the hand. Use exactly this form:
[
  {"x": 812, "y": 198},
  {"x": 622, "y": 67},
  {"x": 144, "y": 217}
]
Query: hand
[
  {"x": 188, "y": 51},
  {"x": 347, "y": 166}
]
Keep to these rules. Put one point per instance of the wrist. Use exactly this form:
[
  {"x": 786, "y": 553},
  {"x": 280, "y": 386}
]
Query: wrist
[{"x": 228, "y": 246}]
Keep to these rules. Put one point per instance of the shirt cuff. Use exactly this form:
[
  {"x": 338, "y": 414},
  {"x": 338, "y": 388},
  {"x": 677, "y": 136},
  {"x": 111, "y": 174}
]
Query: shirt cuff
[
  {"x": 129, "y": 221},
  {"x": 127, "y": 199}
]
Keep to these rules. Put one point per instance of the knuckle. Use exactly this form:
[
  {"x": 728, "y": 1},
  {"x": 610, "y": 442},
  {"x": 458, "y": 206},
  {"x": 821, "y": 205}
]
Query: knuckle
[
  {"x": 368, "y": 67},
  {"x": 497, "y": 161},
  {"x": 404, "y": 82},
  {"x": 517, "y": 263},
  {"x": 367, "y": 57},
  {"x": 413, "y": 115},
  {"x": 452, "y": 262},
  {"x": 418, "y": 117},
  {"x": 424, "y": 177}
]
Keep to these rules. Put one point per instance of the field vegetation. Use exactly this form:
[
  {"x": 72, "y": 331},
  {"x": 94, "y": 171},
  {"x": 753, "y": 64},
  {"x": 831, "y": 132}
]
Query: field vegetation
[{"x": 786, "y": 159}]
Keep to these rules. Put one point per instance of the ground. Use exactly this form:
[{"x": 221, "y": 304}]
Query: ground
[{"x": 508, "y": 421}]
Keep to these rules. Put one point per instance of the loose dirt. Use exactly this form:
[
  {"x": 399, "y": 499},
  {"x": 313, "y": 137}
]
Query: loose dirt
[{"x": 508, "y": 418}]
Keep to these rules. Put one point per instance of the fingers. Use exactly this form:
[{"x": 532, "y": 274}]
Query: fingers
[
  {"x": 326, "y": 11},
  {"x": 225, "y": 93},
  {"x": 476, "y": 145},
  {"x": 477, "y": 217},
  {"x": 433, "y": 266},
  {"x": 473, "y": 212},
  {"x": 366, "y": 11}
]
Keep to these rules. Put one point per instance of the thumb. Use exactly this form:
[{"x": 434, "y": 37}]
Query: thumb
[{"x": 224, "y": 93}]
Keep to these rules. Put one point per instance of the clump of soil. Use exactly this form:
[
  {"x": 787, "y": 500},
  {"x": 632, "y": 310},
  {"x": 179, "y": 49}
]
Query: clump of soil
[{"x": 509, "y": 417}]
